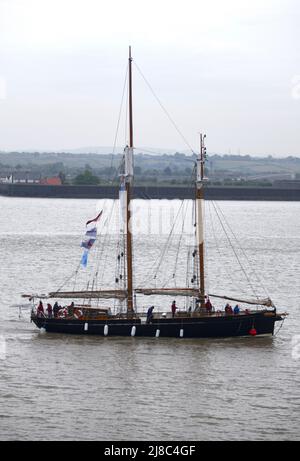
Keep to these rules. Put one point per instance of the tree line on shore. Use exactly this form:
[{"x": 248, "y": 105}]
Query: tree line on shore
[{"x": 166, "y": 169}]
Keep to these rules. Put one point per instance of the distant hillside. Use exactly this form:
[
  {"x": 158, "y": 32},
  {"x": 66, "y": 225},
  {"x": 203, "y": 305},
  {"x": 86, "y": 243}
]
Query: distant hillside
[
  {"x": 235, "y": 166},
  {"x": 152, "y": 167},
  {"x": 107, "y": 150}
]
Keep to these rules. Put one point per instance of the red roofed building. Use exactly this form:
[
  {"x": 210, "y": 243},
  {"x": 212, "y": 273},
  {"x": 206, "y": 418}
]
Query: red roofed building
[{"x": 55, "y": 181}]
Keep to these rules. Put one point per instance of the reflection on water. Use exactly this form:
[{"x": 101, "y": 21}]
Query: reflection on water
[{"x": 77, "y": 387}]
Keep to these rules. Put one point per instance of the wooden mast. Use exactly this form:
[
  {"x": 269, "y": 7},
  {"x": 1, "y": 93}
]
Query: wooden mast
[
  {"x": 129, "y": 181},
  {"x": 200, "y": 218}
]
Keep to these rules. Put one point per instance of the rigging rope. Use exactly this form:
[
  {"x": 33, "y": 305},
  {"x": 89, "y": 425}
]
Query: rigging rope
[
  {"x": 184, "y": 206},
  {"x": 160, "y": 257},
  {"x": 164, "y": 109},
  {"x": 105, "y": 245},
  {"x": 118, "y": 122},
  {"x": 219, "y": 250},
  {"x": 169, "y": 239},
  {"x": 191, "y": 187},
  {"x": 207, "y": 279},
  {"x": 74, "y": 274},
  {"x": 179, "y": 244},
  {"x": 233, "y": 249},
  {"x": 243, "y": 251},
  {"x": 281, "y": 325}
]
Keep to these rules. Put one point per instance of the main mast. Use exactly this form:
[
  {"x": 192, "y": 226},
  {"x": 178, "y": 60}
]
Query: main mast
[
  {"x": 200, "y": 217},
  {"x": 129, "y": 181}
]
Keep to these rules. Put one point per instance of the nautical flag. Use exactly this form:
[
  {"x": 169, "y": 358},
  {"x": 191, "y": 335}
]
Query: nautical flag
[
  {"x": 89, "y": 240},
  {"x": 92, "y": 232},
  {"x": 95, "y": 219},
  {"x": 84, "y": 258},
  {"x": 88, "y": 243}
]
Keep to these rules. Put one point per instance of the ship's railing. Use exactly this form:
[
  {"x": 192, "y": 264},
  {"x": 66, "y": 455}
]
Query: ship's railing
[
  {"x": 80, "y": 312},
  {"x": 88, "y": 312},
  {"x": 220, "y": 313}
]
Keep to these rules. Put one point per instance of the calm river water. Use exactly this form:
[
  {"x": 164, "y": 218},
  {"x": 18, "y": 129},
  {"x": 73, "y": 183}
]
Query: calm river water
[{"x": 87, "y": 388}]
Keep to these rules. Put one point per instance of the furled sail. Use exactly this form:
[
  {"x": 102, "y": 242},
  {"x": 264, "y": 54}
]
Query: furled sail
[
  {"x": 263, "y": 302},
  {"x": 104, "y": 294},
  {"x": 168, "y": 291},
  {"x": 195, "y": 293}
]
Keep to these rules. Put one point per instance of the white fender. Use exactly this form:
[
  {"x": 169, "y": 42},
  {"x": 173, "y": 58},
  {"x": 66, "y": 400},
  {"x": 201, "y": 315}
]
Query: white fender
[
  {"x": 157, "y": 333},
  {"x": 181, "y": 333},
  {"x": 62, "y": 313},
  {"x": 133, "y": 331},
  {"x": 105, "y": 330},
  {"x": 86, "y": 326}
]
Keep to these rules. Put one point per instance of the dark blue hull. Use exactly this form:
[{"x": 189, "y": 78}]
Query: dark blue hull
[{"x": 185, "y": 327}]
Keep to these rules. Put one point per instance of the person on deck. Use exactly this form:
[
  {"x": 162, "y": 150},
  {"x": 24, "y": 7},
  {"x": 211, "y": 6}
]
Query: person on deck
[
  {"x": 228, "y": 309},
  {"x": 55, "y": 310},
  {"x": 208, "y": 305},
  {"x": 173, "y": 308},
  {"x": 150, "y": 314},
  {"x": 49, "y": 311},
  {"x": 236, "y": 310},
  {"x": 71, "y": 309},
  {"x": 40, "y": 310}
]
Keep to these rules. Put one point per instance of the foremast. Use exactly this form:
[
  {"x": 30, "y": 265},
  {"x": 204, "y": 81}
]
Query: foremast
[
  {"x": 200, "y": 217},
  {"x": 128, "y": 186}
]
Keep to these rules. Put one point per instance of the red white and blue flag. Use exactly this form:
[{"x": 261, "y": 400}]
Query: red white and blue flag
[
  {"x": 95, "y": 219},
  {"x": 89, "y": 240}
]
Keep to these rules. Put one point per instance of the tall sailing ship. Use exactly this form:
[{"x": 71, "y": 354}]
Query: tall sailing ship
[{"x": 83, "y": 314}]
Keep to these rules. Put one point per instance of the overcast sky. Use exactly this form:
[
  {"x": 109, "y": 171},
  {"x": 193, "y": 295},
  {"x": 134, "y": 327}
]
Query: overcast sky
[{"x": 230, "y": 68}]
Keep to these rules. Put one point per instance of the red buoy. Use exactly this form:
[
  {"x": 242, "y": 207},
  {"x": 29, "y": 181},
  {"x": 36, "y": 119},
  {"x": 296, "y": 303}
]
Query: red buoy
[{"x": 253, "y": 332}]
